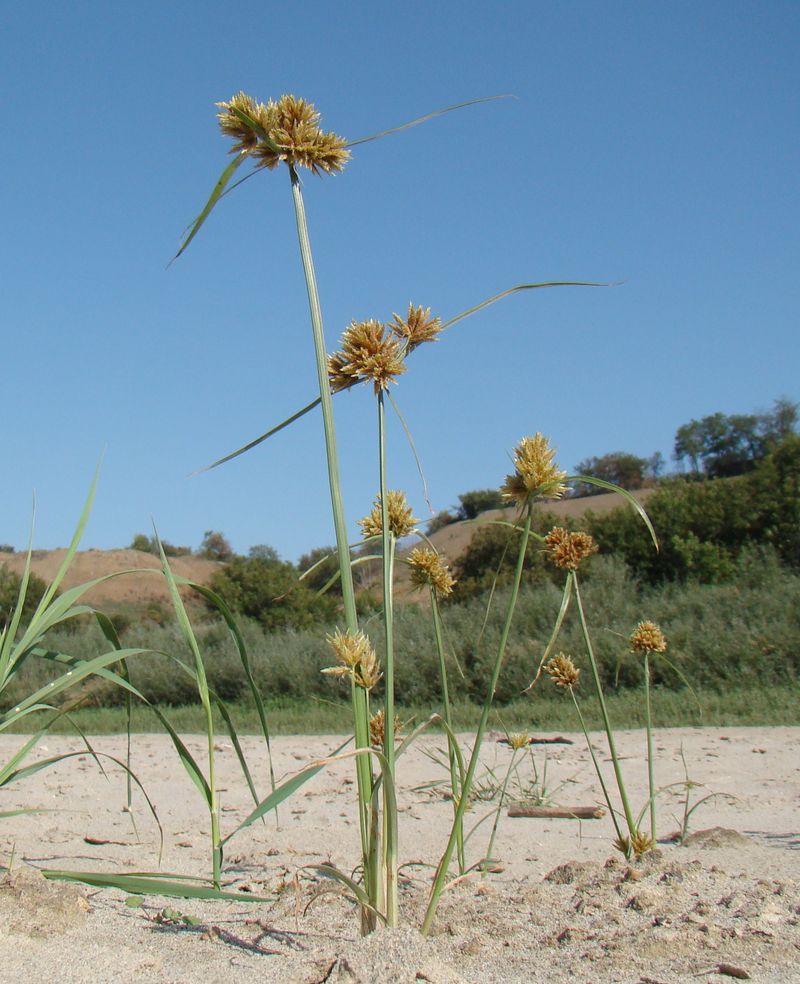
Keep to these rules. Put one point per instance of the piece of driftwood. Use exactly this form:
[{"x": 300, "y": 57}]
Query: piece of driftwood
[
  {"x": 556, "y": 812},
  {"x": 541, "y": 741}
]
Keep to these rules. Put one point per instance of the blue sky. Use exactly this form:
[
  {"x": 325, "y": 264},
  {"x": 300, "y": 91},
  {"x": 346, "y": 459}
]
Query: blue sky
[{"x": 649, "y": 143}]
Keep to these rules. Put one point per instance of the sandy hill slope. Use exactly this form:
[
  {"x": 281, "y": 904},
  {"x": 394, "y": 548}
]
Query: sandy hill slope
[
  {"x": 140, "y": 584},
  {"x": 452, "y": 540},
  {"x": 137, "y": 581}
]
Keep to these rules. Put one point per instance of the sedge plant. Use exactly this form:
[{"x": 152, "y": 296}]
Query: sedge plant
[
  {"x": 567, "y": 551},
  {"x": 287, "y": 133}
]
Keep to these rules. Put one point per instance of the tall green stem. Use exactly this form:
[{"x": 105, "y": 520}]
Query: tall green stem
[
  {"x": 612, "y": 747},
  {"x": 503, "y": 789},
  {"x": 388, "y": 542},
  {"x": 455, "y": 786},
  {"x": 444, "y": 863},
  {"x": 603, "y": 786},
  {"x": 650, "y": 754},
  {"x": 360, "y": 711}
]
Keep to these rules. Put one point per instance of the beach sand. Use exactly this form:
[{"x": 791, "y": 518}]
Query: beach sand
[{"x": 561, "y": 905}]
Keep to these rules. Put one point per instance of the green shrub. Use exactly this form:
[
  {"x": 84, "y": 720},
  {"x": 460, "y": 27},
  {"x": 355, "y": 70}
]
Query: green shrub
[
  {"x": 9, "y": 592},
  {"x": 270, "y": 592}
]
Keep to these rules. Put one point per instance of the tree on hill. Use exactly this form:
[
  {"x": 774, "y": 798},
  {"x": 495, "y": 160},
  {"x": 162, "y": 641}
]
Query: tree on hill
[
  {"x": 149, "y": 544},
  {"x": 703, "y": 526},
  {"x": 328, "y": 565},
  {"x": 623, "y": 469},
  {"x": 720, "y": 445},
  {"x": 478, "y": 501},
  {"x": 215, "y": 546},
  {"x": 269, "y": 590}
]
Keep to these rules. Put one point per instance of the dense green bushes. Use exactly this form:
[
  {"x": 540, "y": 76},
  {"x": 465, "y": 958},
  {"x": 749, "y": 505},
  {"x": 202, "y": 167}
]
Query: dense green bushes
[
  {"x": 703, "y": 526},
  {"x": 740, "y": 633}
]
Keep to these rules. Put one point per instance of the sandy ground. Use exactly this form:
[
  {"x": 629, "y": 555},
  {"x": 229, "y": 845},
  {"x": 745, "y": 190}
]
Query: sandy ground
[{"x": 562, "y": 905}]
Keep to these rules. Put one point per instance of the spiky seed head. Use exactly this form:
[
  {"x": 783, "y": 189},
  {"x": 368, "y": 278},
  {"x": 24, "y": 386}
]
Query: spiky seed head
[
  {"x": 401, "y": 519},
  {"x": 641, "y": 843},
  {"x": 339, "y": 375},
  {"x": 562, "y": 671},
  {"x": 647, "y": 637},
  {"x": 292, "y": 125},
  {"x": 368, "y": 352},
  {"x": 357, "y": 658},
  {"x": 518, "y": 740},
  {"x": 566, "y": 549},
  {"x": 377, "y": 728},
  {"x": 417, "y": 327},
  {"x": 536, "y": 476},
  {"x": 428, "y": 568},
  {"x": 623, "y": 845}
]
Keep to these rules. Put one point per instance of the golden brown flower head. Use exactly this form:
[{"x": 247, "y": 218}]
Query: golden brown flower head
[
  {"x": 428, "y": 568},
  {"x": 648, "y": 638},
  {"x": 562, "y": 671},
  {"x": 536, "y": 475},
  {"x": 292, "y": 126},
  {"x": 368, "y": 352},
  {"x": 567, "y": 550},
  {"x": 518, "y": 740},
  {"x": 641, "y": 843},
  {"x": 417, "y": 327},
  {"x": 377, "y": 728},
  {"x": 401, "y": 518},
  {"x": 357, "y": 659}
]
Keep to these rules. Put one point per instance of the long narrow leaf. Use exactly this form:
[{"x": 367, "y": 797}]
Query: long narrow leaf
[
  {"x": 241, "y": 648},
  {"x": 562, "y": 611},
  {"x": 601, "y": 483},
  {"x": 82, "y": 670},
  {"x": 8, "y": 650},
  {"x": 285, "y": 790},
  {"x": 259, "y": 440},
  {"x": 513, "y": 290},
  {"x": 329, "y": 871},
  {"x": 173, "y": 886},
  {"x": 213, "y": 198},
  {"x": 412, "y": 445},
  {"x": 426, "y": 117},
  {"x": 47, "y": 597},
  {"x": 447, "y": 324}
]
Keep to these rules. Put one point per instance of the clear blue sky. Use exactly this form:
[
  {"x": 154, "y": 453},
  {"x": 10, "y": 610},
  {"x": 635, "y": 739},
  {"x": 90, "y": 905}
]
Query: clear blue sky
[{"x": 650, "y": 143}]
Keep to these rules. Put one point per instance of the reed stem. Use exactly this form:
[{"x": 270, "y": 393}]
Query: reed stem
[
  {"x": 360, "y": 713},
  {"x": 612, "y": 747},
  {"x": 444, "y": 863}
]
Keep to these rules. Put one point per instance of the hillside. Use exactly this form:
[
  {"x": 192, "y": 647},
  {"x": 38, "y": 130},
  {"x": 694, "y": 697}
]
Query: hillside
[
  {"x": 137, "y": 582},
  {"x": 452, "y": 540}
]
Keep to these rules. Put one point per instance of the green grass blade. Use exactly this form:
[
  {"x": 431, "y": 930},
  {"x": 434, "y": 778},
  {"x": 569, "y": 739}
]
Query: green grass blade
[
  {"x": 329, "y": 871},
  {"x": 49, "y": 594},
  {"x": 213, "y": 198},
  {"x": 21, "y": 752},
  {"x": 513, "y": 290},
  {"x": 260, "y": 440},
  {"x": 426, "y": 117},
  {"x": 562, "y": 611},
  {"x": 187, "y": 759},
  {"x": 285, "y": 790},
  {"x": 244, "y": 658},
  {"x": 234, "y": 737},
  {"x": 31, "y": 770},
  {"x": 8, "y": 649},
  {"x": 173, "y": 886},
  {"x": 83, "y": 669},
  {"x": 412, "y": 445}
]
